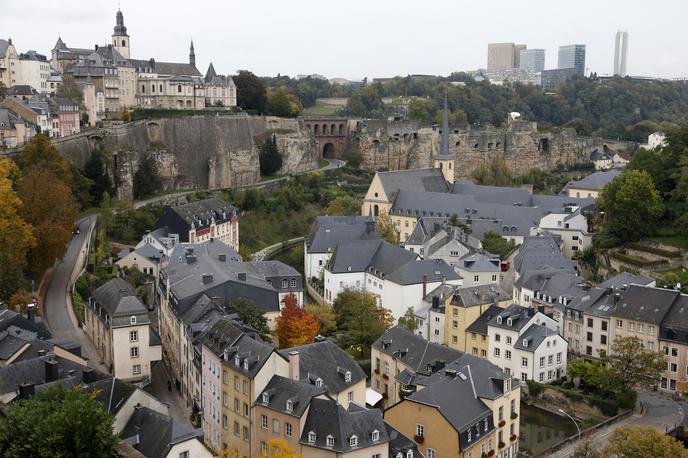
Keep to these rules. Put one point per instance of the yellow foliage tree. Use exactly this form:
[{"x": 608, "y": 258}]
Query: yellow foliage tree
[
  {"x": 387, "y": 229},
  {"x": 642, "y": 442},
  {"x": 277, "y": 448}
]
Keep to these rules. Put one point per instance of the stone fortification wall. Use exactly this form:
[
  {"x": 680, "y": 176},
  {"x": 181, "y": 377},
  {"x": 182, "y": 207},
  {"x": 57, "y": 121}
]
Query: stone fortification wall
[
  {"x": 396, "y": 145},
  {"x": 207, "y": 152}
]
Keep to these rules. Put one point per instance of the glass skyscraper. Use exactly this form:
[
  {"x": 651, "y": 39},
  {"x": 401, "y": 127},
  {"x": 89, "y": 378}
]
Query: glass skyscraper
[
  {"x": 572, "y": 56},
  {"x": 533, "y": 60}
]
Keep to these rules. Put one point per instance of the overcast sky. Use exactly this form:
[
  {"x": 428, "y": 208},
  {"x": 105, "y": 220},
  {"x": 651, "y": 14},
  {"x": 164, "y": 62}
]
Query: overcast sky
[{"x": 358, "y": 38}]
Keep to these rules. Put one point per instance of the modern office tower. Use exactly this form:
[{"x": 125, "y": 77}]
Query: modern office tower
[
  {"x": 620, "y": 53},
  {"x": 517, "y": 55},
  {"x": 572, "y": 56},
  {"x": 532, "y": 59},
  {"x": 503, "y": 56}
]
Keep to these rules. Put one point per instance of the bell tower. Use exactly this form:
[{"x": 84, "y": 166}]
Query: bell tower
[{"x": 120, "y": 39}]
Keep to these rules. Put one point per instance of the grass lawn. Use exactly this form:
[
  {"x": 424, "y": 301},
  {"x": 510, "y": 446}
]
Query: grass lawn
[
  {"x": 320, "y": 109},
  {"x": 323, "y": 163},
  {"x": 678, "y": 242}
]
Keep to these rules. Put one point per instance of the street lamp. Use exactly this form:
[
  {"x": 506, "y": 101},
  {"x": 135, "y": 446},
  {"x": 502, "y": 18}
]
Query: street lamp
[{"x": 574, "y": 422}]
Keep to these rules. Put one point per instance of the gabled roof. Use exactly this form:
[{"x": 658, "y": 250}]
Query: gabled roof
[
  {"x": 479, "y": 262},
  {"x": 154, "y": 434},
  {"x": 415, "y": 352},
  {"x": 399, "y": 443},
  {"x": 328, "y": 362},
  {"x": 4, "y": 44},
  {"x": 595, "y": 181},
  {"x": 327, "y": 418},
  {"x": 479, "y": 326},
  {"x": 479, "y": 295},
  {"x": 280, "y": 389},
  {"x": 552, "y": 283},
  {"x": 327, "y": 231},
  {"x": 627, "y": 278},
  {"x": 430, "y": 180},
  {"x": 644, "y": 304},
  {"x": 541, "y": 251},
  {"x": 534, "y": 336},
  {"x": 167, "y": 68},
  {"x": 203, "y": 210},
  {"x": 119, "y": 300},
  {"x": 513, "y": 317}
]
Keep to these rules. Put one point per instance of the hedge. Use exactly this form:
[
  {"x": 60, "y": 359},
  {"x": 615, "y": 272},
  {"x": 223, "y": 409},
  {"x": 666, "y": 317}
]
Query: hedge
[
  {"x": 534, "y": 388},
  {"x": 635, "y": 261},
  {"x": 654, "y": 250}
]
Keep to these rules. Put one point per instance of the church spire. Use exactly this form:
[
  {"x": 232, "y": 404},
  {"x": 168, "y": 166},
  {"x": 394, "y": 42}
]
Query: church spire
[
  {"x": 120, "y": 29},
  {"x": 444, "y": 150},
  {"x": 192, "y": 55}
]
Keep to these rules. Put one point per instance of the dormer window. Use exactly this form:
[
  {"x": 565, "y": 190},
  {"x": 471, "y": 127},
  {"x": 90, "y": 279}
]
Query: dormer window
[
  {"x": 132, "y": 320},
  {"x": 311, "y": 437},
  {"x": 318, "y": 382},
  {"x": 375, "y": 435},
  {"x": 237, "y": 360},
  {"x": 525, "y": 342},
  {"x": 485, "y": 425},
  {"x": 508, "y": 321},
  {"x": 409, "y": 454},
  {"x": 246, "y": 365},
  {"x": 266, "y": 398},
  {"x": 353, "y": 441},
  {"x": 290, "y": 406},
  {"x": 347, "y": 376},
  {"x": 468, "y": 436},
  {"x": 499, "y": 320},
  {"x": 330, "y": 440}
]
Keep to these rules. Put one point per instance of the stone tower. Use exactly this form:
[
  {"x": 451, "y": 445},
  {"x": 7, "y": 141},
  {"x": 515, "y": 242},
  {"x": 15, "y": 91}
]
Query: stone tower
[
  {"x": 120, "y": 39},
  {"x": 192, "y": 55},
  {"x": 445, "y": 161}
]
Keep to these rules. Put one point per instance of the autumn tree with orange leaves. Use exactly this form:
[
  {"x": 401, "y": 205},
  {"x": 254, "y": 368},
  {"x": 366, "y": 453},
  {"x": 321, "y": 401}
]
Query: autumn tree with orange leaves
[{"x": 295, "y": 326}]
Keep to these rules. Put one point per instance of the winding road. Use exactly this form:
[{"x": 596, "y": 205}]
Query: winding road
[{"x": 57, "y": 307}]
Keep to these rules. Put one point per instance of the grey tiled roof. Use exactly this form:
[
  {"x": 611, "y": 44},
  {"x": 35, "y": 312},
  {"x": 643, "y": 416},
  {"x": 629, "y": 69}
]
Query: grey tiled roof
[
  {"x": 519, "y": 317},
  {"x": 534, "y": 335},
  {"x": 479, "y": 262},
  {"x": 19, "y": 325},
  {"x": 167, "y": 68},
  {"x": 399, "y": 443},
  {"x": 479, "y": 326},
  {"x": 552, "y": 283},
  {"x": 431, "y": 180},
  {"x": 327, "y": 361},
  {"x": 412, "y": 350},
  {"x": 282, "y": 389},
  {"x": 626, "y": 278},
  {"x": 154, "y": 434},
  {"x": 4, "y": 44},
  {"x": 478, "y": 295},
  {"x": 675, "y": 324},
  {"x": 117, "y": 299},
  {"x": 645, "y": 304},
  {"x": 595, "y": 181},
  {"x": 541, "y": 251},
  {"x": 327, "y": 417},
  {"x": 327, "y": 231}
]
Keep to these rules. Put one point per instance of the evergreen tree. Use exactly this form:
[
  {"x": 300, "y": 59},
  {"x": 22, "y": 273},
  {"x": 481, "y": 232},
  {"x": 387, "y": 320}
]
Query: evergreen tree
[
  {"x": 95, "y": 171},
  {"x": 251, "y": 92},
  {"x": 269, "y": 157},
  {"x": 146, "y": 179}
]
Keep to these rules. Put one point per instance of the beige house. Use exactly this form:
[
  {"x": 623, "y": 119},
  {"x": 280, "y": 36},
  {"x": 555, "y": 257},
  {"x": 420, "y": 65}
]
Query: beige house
[
  {"x": 590, "y": 186},
  {"x": 146, "y": 259},
  {"x": 118, "y": 325},
  {"x": 9, "y": 63},
  {"x": 385, "y": 186},
  {"x": 468, "y": 409}
]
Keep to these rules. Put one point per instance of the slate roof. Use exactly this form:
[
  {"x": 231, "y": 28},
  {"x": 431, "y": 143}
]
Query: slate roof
[
  {"x": 111, "y": 392},
  {"x": 327, "y": 231},
  {"x": 479, "y": 326},
  {"x": 478, "y": 295},
  {"x": 16, "y": 324},
  {"x": 282, "y": 389},
  {"x": 399, "y": 443},
  {"x": 166, "y": 68},
  {"x": 19, "y": 89},
  {"x": 648, "y": 305},
  {"x": 154, "y": 434},
  {"x": 594, "y": 302},
  {"x": 537, "y": 252},
  {"x": 430, "y": 180},
  {"x": 327, "y": 361},
  {"x": 520, "y": 316},
  {"x": 479, "y": 262},
  {"x": 595, "y": 181},
  {"x": 534, "y": 335},
  {"x": 117, "y": 299},
  {"x": 627, "y": 278},
  {"x": 326, "y": 417},
  {"x": 146, "y": 251},
  {"x": 420, "y": 355},
  {"x": 552, "y": 283},
  {"x": 598, "y": 155},
  {"x": 675, "y": 324},
  {"x": 198, "y": 214},
  {"x": 4, "y": 44}
]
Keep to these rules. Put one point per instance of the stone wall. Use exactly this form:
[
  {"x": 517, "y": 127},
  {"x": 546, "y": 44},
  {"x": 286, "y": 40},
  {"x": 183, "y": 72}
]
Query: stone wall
[
  {"x": 397, "y": 145},
  {"x": 206, "y": 152}
]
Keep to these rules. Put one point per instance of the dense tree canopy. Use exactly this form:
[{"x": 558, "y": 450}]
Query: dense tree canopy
[
  {"x": 269, "y": 157},
  {"x": 251, "y": 92},
  {"x": 295, "y": 326},
  {"x": 96, "y": 171},
  {"x": 251, "y": 315},
  {"x": 147, "y": 180},
  {"x": 493, "y": 172},
  {"x": 496, "y": 244},
  {"x": 57, "y": 422},
  {"x": 280, "y": 103},
  {"x": 360, "y": 318},
  {"x": 643, "y": 442}
]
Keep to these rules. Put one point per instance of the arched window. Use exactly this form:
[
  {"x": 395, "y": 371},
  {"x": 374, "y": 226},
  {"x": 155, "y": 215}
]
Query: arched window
[
  {"x": 376, "y": 210},
  {"x": 316, "y": 129},
  {"x": 153, "y": 88},
  {"x": 179, "y": 88},
  {"x": 292, "y": 283},
  {"x": 124, "y": 43},
  {"x": 161, "y": 88},
  {"x": 143, "y": 89}
]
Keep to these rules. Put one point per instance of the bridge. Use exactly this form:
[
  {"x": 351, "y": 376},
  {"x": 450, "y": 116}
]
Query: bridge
[{"x": 330, "y": 135}]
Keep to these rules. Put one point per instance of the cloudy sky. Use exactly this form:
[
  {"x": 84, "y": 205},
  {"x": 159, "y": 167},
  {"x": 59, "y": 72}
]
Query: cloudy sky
[{"x": 358, "y": 38}]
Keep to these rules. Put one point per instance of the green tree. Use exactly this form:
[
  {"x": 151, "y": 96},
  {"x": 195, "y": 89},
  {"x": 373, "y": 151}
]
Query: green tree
[
  {"x": 325, "y": 315},
  {"x": 359, "y": 317},
  {"x": 269, "y": 157},
  {"x": 408, "y": 321},
  {"x": 496, "y": 244},
  {"x": 344, "y": 205},
  {"x": 493, "y": 172},
  {"x": 250, "y": 314},
  {"x": 418, "y": 110},
  {"x": 124, "y": 114},
  {"x": 57, "y": 422},
  {"x": 633, "y": 365},
  {"x": 96, "y": 171},
  {"x": 643, "y": 442},
  {"x": 632, "y": 205},
  {"x": 69, "y": 89},
  {"x": 251, "y": 92},
  {"x": 147, "y": 180},
  {"x": 385, "y": 227},
  {"x": 365, "y": 103},
  {"x": 282, "y": 104}
]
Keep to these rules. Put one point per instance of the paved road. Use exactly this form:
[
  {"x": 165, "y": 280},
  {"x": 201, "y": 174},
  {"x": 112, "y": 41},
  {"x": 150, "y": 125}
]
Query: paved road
[
  {"x": 661, "y": 412},
  {"x": 57, "y": 308}
]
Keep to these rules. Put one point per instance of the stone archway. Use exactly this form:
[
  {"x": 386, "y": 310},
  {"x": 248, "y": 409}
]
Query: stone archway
[{"x": 329, "y": 151}]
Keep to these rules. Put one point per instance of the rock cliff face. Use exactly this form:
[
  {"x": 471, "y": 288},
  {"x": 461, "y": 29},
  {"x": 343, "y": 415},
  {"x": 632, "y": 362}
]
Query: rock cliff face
[
  {"x": 396, "y": 145},
  {"x": 207, "y": 152}
]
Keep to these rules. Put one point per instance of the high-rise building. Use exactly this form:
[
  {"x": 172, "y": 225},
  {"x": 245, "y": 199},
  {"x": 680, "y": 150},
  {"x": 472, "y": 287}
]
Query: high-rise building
[
  {"x": 620, "y": 53},
  {"x": 503, "y": 56},
  {"x": 532, "y": 59},
  {"x": 572, "y": 56}
]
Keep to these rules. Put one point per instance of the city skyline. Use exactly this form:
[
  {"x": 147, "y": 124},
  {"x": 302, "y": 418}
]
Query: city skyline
[{"x": 344, "y": 42}]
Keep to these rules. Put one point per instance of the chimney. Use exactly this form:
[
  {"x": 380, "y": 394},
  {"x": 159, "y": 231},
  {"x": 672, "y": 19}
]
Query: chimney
[
  {"x": 207, "y": 278},
  {"x": 190, "y": 258},
  {"x": 26, "y": 390},
  {"x": 435, "y": 302},
  {"x": 222, "y": 257},
  {"x": 241, "y": 276},
  {"x": 444, "y": 279},
  {"x": 52, "y": 368},
  {"x": 425, "y": 285},
  {"x": 96, "y": 47},
  {"x": 294, "y": 360},
  {"x": 30, "y": 312},
  {"x": 88, "y": 375},
  {"x": 41, "y": 352}
]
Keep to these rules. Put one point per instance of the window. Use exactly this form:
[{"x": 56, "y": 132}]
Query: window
[
  {"x": 264, "y": 421},
  {"x": 524, "y": 376},
  {"x": 245, "y": 410},
  {"x": 619, "y": 324},
  {"x": 674, "y": 351},
  {"x": 225, "y": 399},
  {"x": 236, "y": 428},
  {"x": 501, "y": 413},
  {"x": 136, "y": 369},
  {"x": 508, "y": 340},
  {"x": 237, "y": 383},
  {"x": 524, "y": 362},
  {"x": 134, "y": 352},
  {"x": 237, "y": 405},
  {"x": 132, "y": 320},
  {"x": 507, "y": 354},
  {"x": 264, "y": 448},
  {"x": 541, "y": 377},
  {"x": 494, "y": 277},
  {"x": 353, "y": 441},
  {"x": 468, "y": 434},
  {"x": 329, "y": 440},
  {"x": 311, "y": 437},
  {"x": 455, "y": 339},
  {"x": 431, "y": 453},
  {"x": 603, "y": 339},
  {"x": 651, "y": 330},
  {"x": 347, "y": 376},
  {"x": 497, "y": 336},
  {"x": 246, "y": 433},
  {"x": 224, "y": 421},
  {"x": 631, "y": 326},
  {"x": 375, "y": 435},
  {"x": 179, "y": 88},
  {"x": 558, "y": 357},
  {"x": 420, "y": 430},
  {"x": 590, "y": 322},
  {"x": 672, "y": 367},
  {"x": 604, "y": 325},
  {"x": 550, "y": 360},
  {"x": 133, "y": 336},
  {"x": 387, "y": 367},
  {"x": 496, "y": 352},
  {"x": 476, "y": 278},
  {"x": 275, "y": 425},
  {"x": 287, "y": 429},
  {"x": 266, "y": 398},
  {"x": 290, "y": 405},
  {"x": 245, "y": 386},
  {"x": 184, "y": 454},
  {"x": 542, "y": 361}
]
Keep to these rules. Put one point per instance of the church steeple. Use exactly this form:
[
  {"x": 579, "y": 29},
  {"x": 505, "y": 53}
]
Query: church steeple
[
  {"x": 120, "y": 39},
  {"x": 444, "y": 150},
  {"x": 192, "y": 55},
  {"x": 445, "y": 162},
  {"x": 120, "y": 29}
]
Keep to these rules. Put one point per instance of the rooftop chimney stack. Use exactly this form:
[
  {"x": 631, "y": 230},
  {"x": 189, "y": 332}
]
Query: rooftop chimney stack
[
  {"x": 26, "y": 390},
  {"x": 294, "y": 360},
  {"x": 88, "y": 375},
  {"x": 425, "y": 285},
  {"x": 52, "y": 368}
]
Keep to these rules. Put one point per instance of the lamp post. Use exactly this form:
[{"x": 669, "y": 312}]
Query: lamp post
[{"x": 574, "y": 422}]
